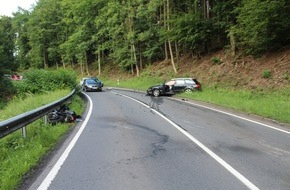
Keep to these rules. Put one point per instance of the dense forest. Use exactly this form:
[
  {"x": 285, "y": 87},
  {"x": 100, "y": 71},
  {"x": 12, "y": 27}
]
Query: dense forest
[{"x": 130, "y": 34}]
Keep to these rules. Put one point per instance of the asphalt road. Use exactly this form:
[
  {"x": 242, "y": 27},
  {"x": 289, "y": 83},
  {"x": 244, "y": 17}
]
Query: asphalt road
[{"x": 131, "y": 141}]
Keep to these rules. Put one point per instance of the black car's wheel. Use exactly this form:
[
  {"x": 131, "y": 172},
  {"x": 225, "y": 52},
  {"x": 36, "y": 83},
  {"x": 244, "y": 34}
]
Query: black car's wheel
[
  {"x": 156, "y": 92},
  {"x": 188, "y": 90}
]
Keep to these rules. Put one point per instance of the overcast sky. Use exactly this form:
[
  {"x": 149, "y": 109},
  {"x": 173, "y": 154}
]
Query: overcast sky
[{"x": 7, "y": 7}]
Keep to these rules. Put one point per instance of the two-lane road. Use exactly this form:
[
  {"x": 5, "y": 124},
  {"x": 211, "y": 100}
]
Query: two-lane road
[{"x": 132, "y": 141}]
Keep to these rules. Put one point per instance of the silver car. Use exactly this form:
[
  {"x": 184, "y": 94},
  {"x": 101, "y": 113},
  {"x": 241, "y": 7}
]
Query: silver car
[{"x": 91, "y": 84}]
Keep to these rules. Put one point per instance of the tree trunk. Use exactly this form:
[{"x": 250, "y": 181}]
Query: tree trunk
[
  {"x": 62, "y": 60},
  {"x": 45, "y": 65},
  {"x": 140, "y": 59},
  {"x": 207, "y": 9},
  {"x": 172, "y": 57},
  {"x": 131, "y": 40},
  {"x": 99, "y": 61},
  {"x": 232, "y": 42},
  {"x": 176, "y": 50},
  {"x": 82, "y": 68},
  {"x": 169, "y": 42},
  {"x": 195, "y": 7},
  {"x": 86, "y": 64},
  {"x": 164, "y": 23},
  {"x": 135, "y": 60},
  {"x": 132, "y": 58}
]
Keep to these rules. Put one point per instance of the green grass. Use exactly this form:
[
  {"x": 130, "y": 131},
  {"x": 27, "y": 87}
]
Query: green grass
[
  {"x": 19, "y": 155},
  {"x": 273, "y": 104},
  {"x": 135, "y": 83},
  {"x": 20, "y": 105}
]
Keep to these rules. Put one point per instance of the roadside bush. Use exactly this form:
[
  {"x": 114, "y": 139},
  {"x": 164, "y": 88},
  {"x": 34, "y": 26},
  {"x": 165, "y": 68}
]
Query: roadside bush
[
  {"x": 38, "y": 81},
  {"x": 6, "y": 92},
  {"x": 216, "y": 60},
  {"x": 266, "y": 74},
  {"x": 286, "y": 76}
]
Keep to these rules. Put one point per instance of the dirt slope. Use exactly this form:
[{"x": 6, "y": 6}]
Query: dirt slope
[{"x": 271, "y": 70}]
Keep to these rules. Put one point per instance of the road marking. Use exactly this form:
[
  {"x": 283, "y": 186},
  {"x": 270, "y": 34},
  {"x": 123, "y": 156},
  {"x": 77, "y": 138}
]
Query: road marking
[
  {"x": 53, "y": 172},
  {"x": 233, "y": 171},
  {"x": 243, "y": 118}
]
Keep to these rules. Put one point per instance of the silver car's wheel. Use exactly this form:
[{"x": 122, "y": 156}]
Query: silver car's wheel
[{"x": 187, "y": 90}]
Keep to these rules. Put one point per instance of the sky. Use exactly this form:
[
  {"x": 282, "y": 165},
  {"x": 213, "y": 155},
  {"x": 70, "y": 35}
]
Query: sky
[{"x": 7, "y": 7}]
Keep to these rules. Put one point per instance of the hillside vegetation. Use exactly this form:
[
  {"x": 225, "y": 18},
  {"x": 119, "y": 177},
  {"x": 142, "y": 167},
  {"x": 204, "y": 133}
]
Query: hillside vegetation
[
  {"x": 221, "y": 43},
  {"x": 132, "y": 34},
  {"x": 269, "y": 72}
]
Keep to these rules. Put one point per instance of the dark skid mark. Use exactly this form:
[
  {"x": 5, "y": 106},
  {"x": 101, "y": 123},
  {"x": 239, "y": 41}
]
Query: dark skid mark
[
  {"x": 237, "y": 148},
  {"x": 157, "y": 146},
  {"x": 181, "y": 127},
  {"x": 243, "y": 149}
]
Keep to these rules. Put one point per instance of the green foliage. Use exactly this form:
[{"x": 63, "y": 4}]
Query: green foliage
[
  {"x": 190, "y": 30},
  {"x": 35, "y": 82},
  {"x": 7, "y": 60},
  {"x": 286, "y": 76},
  {"x": 7, "y": 90},
  {"x": 128, "y": 33},
  {"x": 38, "y": 81},
  {"x": 7, "y": 38},
  {"x": 263, "y": 25},
  {"x": 19, "y": 24},
  {"x": 216, "y": 60},
  {"x": 266, "y": 74},
  {"x": 45, "y": 34}
]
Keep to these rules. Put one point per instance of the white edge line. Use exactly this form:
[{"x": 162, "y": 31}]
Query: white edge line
[
  {"x": 243, "y": 118},
  {"x": 239, "y": 176},
  {"x": 53, "y": 172}
]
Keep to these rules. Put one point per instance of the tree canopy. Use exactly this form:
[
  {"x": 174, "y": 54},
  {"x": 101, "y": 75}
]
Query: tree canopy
[{"x": 131, "y": 34}]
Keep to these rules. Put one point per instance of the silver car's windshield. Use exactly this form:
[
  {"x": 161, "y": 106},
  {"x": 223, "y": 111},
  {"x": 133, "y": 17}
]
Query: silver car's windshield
[{"x": 91, "y": 81}]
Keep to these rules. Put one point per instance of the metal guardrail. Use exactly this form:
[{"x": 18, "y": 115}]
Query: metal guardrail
[{"x": 20, "y": 121}]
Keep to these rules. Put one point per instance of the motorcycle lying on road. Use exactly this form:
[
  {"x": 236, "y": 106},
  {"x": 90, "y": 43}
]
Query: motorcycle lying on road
[{"x": 62, "y": 114}]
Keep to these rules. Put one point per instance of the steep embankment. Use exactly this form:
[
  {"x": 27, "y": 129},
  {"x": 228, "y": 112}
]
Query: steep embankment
[{"x": 269, "y": 71}]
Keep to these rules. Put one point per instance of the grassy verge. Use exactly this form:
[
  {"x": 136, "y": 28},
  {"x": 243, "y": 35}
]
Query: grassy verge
[
  {"x": 20, "y": 105},
  {"x": 18, "y": 155},
  {"x": 273, "y": 104},
  {"x": 134, "y": 83}
]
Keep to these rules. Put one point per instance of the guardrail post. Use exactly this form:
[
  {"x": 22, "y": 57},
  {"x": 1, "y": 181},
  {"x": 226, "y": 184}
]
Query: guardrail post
[
  {"x": 23, "y": 129},
  {"x": 45, "y": 119}
]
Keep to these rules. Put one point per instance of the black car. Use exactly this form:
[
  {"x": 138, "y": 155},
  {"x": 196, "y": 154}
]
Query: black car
[
  {"x": 91, "y": 84},
  {"x": 174, "y": 86}
]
